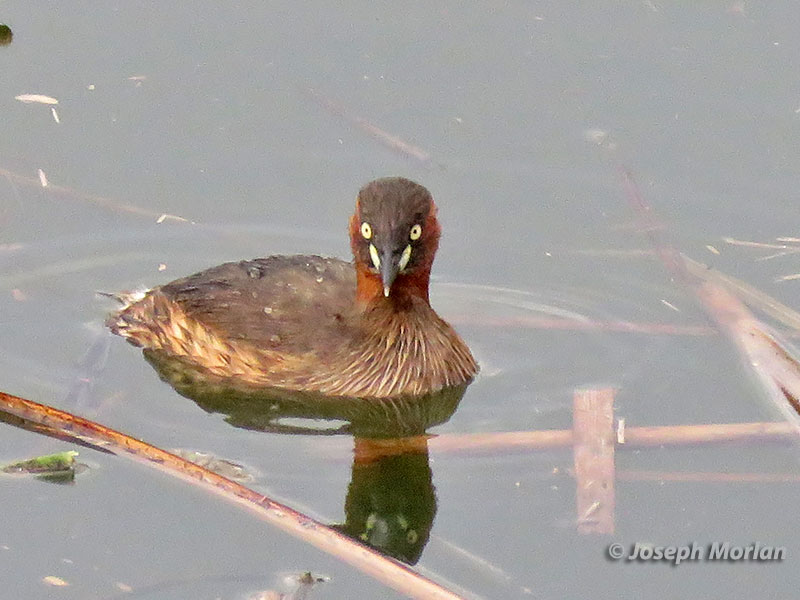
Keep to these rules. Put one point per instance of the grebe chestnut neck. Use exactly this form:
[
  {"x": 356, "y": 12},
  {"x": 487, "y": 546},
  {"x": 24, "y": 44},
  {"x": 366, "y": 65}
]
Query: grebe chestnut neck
[{"x": 313, "y": 324}]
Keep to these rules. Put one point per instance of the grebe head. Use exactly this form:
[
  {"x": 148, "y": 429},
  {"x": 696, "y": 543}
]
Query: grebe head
[{"x": 394, "y": 235}]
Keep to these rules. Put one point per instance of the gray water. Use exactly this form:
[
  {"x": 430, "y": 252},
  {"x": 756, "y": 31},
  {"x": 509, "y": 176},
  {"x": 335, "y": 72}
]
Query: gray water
[{"x": 245, "y": 121}]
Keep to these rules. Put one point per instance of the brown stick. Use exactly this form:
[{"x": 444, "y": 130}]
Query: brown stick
[
  {"x": 389, "y": 140},
  {"x": 679, "y": 477},
  {"x": 593, "y": 452},
  {"x": 682, "y": 435},
  {"x": 100, "y": 201},
  {"x": 635, "y": 437},
  {"x": 575, "y": 325},
  {"x": 391, "y": 572}
]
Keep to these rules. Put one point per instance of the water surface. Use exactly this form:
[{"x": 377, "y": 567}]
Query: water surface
[{"x": 526, "y": 110}]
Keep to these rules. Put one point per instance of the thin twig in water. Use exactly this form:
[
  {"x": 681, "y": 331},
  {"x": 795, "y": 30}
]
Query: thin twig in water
[
  {"x": 389, "y": 140},
  {"x": 705, "y": 477},
  {"x": 755, "y": 297},
  {"x": 785, "y": 249},
  {"x": 610, "y": 252},
  {"x": 100, "y": 201},
  {"x": 735, "y": 242},
  {"x": 575, "y": 325},
  {"x": 779, "y": 254},
  {"x": 527, "y": 441}
]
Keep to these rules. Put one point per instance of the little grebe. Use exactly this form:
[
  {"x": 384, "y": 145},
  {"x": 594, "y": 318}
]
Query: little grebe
[{"x": 314, "y": 324}]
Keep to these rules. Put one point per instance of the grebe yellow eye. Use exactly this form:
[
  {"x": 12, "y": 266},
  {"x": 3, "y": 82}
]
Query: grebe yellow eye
[
  {"x": 416, "y": 232},
  {"x": 366, "y": 230}
]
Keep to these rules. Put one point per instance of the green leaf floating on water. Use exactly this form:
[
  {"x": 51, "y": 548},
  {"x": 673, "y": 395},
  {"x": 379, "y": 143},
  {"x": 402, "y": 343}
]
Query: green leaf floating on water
[
  {"x": 5, "y": 35},
  {"x": 58, "y": 467}
]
